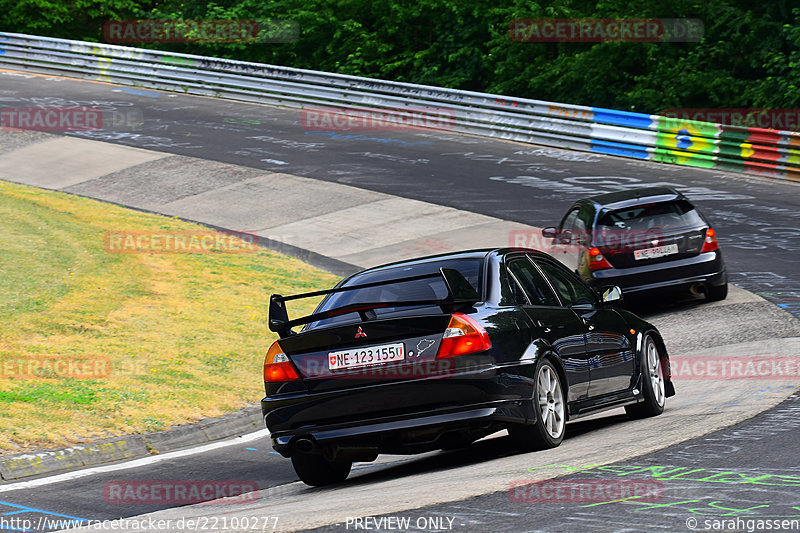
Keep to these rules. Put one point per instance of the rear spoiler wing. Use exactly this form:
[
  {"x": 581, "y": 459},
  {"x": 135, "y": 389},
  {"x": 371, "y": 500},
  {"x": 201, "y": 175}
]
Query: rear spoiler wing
[{"x": 459, "y": 293}]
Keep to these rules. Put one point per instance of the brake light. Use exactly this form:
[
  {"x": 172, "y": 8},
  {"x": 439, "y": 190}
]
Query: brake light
[
  {"x": 277, "y": 366},
  {"x": 463, "y": 336},
  {"x": 597, "y": 261},
  {"x": 710, "y": 242}
]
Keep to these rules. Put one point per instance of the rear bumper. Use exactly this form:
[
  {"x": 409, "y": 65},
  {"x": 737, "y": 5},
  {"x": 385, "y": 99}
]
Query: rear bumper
[
  {"x": 706, "y": 268},
  {"x": 407, "y": 434},
  {"x": 399, "y": 417}
]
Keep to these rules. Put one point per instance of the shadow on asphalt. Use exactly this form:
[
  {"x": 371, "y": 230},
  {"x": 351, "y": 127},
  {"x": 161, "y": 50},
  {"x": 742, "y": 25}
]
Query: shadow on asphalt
[
  {"x": 479, "y": 452},
  {"x": 658, "y": 303}
]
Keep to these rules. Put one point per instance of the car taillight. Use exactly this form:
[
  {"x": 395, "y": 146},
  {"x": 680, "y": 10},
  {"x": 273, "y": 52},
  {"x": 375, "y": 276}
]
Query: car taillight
[
  {"x": 277, "y": 366},
  {"x": 463, "y": 336},
  {"x": 597, "y": 261},
  {"x": 710, "y": 242}
]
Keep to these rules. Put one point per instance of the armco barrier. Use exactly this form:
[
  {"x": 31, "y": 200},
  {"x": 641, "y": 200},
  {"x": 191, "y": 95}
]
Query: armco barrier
[{"x": 670, "y": 140}]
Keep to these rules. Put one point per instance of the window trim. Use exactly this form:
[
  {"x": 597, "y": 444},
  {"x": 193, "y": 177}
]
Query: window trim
[
  {"x": 522, "y": 257},
  {"x": 571, "y": 275},
  {"x": 519, "y": 285}
]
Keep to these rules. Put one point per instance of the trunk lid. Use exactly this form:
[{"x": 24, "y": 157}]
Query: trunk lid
[{"x": 368, "y": 352}]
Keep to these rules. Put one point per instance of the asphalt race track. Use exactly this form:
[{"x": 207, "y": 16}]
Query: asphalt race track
[
  {"x": 692, "y": 486},
  {"x": 696, "y": 464},
  {"x": 756, "y": 219}
]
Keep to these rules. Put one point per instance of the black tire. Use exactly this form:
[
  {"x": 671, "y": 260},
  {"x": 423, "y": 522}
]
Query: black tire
[
  {"x": 550, "y": 408},
  {"x": 315, "y": 470},
  {"x": 715, "y": 294},
  {"x": 653, "y": 383}
]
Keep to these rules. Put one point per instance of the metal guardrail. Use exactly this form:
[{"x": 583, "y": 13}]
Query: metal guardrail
[{"x": 650, "y": 137}]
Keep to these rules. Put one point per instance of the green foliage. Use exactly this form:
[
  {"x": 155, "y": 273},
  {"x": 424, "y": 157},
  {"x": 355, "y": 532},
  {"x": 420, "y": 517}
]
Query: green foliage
[
  {"x": 749, "y": 55},
  {"x": 71, "y": 19}
]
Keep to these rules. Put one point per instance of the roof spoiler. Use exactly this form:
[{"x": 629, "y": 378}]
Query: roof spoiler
[{"x": 459, "y": 293}]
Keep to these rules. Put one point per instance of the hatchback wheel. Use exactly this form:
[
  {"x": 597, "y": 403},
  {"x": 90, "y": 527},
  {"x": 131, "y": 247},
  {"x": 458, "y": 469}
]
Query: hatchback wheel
[
  {"x": 550, "y": 407},
  {"x": 715, "y": 294}
]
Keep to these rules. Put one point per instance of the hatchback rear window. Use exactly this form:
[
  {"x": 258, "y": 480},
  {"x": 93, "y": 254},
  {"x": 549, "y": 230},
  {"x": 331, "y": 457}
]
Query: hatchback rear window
[
  {"x": 677, "y": 215},
  {"x": 425, "y": 289}
]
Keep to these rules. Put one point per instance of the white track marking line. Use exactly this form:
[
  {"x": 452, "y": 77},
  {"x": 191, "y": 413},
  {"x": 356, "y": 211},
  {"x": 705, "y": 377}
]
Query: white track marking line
[{"x": 144, "y": 461}]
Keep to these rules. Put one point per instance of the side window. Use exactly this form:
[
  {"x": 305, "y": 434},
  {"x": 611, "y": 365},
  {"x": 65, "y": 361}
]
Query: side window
[
  {"x": 580, "y": 221},
  {"x": 583, "y": 224},
  {"x": 574, "y": 222},
  {"x": 571, "y": 291},
  {"x": 569, "y": 220},
  {"x": 536, "y": 287}
]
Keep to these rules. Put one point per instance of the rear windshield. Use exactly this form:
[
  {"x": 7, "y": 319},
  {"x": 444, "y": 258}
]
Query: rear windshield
[
  {"x": 677, "y": 215},
  {"x": 425, "y": 289}
]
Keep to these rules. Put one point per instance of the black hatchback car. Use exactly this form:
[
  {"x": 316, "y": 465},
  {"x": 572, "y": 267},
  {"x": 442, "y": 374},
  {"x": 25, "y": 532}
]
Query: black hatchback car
[
  {"x": 437, "y": 352},
  {"x": 641, "y": 240}
]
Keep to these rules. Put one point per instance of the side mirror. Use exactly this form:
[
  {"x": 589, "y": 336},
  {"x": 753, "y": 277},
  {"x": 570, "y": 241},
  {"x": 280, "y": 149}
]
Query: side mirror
[
  {"x": 549, "y": 232},
  {"x": 612, "y": 295}
]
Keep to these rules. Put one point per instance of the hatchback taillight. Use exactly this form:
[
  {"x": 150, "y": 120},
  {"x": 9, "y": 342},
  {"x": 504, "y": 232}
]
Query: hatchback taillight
[
  {"x": 710, "y": 242},
  {"x": 463, "y": 336},
  {"x": 597, "y": 261},
  {"x": 277, "y": 366}
]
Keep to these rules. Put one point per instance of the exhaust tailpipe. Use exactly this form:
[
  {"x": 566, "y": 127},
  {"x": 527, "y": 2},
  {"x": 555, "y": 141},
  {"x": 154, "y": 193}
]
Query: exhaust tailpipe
[
  {"x": 698, "y": 289},
  {"x": 304, "y": 445}
]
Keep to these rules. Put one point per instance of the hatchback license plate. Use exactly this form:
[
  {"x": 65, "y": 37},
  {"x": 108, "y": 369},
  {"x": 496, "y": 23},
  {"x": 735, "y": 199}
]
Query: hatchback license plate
[
  {"x": 658, "y": 251},
  {"x": 366, "y": 356}
]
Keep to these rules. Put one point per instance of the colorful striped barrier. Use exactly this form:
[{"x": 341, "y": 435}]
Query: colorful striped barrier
[{"x": 707, "y": 145}]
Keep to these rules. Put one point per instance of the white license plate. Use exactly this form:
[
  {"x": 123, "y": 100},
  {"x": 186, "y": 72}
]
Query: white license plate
[
  {"x": 366, "y": 356},
  {"x": 658, "y": 251}
]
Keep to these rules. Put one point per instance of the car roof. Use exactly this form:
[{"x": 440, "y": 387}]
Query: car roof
[
  {"x": 493, "y": 255},
  {"x": 463, "y": 254},
  {"x": 633, "y": 197}
]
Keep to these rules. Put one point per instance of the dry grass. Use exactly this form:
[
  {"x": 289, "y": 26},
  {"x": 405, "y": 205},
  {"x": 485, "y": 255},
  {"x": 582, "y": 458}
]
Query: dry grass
[{"x": 184, "y": 334}]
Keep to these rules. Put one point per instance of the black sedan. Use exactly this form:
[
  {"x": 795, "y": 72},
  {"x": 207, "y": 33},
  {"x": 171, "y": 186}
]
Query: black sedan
[
  {"x": 435, "y": 353},
  {"x": 643, "y": 239}
]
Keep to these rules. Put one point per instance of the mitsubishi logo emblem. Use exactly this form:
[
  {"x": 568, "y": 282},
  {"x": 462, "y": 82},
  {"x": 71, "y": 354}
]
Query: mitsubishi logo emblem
[
  {"x": 360, "y": 333},
  {"x": 654, "y": 242}
]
